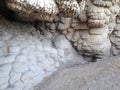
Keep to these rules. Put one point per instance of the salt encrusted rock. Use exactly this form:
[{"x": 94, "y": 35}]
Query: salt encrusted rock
[
  {"x": 26, "y": 56},
  {"x": 64, "y": 48}
]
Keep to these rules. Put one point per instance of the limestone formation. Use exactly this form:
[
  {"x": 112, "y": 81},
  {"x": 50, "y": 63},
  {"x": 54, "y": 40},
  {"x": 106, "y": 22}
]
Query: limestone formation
[
  {"x": 90, "y": 32},
  {"x": 94, "y": 32},
  {"x": 30, "y": 10}
]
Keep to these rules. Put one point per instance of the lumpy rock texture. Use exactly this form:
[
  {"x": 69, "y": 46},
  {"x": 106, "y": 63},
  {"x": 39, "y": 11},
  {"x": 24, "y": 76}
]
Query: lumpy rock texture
[
  {"x": 45, "y": 9},
  {"x": 95, "y": 32},
  {"x": 26, "y": 56}
]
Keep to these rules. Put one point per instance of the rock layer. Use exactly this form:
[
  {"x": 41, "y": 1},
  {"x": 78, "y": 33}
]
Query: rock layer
[{"x": 46, "y": 10}]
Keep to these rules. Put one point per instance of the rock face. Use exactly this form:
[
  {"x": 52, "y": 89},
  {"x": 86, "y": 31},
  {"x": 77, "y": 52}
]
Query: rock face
[
  {"x": 31, "y": 51},
  {"x": 31, "y": 10},
  {"x": 92, "y": 33},
  {"x": 26, "y": 56}
]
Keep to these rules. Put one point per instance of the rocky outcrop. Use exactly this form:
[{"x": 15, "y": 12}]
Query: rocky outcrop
[
  {"x": 28, "y": 54},
  {"x": 91, "y": 32}
]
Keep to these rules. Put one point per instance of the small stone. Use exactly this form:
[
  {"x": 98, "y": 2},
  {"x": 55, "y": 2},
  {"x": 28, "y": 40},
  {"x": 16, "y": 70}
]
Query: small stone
[
  {"x": 4, "y": 75},
  {"x": 64, "y": 32},
  {"x": 53, "y": 26},
  {"x": 4, "y": 83},
  {"x": 75, "y": 44},
  {"x": 7, "y": 59},
  {"x": 14, "y": 77},
  {"x": 65, "y": 24},
  {"x": 48, "y": 35},
  {"x": 76, "y": 36},
  {"x": 70, "y": 30},
  {"x": 69, "y": 36}
]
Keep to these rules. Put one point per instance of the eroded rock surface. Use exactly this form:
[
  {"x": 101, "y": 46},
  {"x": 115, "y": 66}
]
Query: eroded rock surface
[
  {"x": 29, "y": 54},
  {"x": 31, "y": 10},
  {"x": 26, "y": 56},
  {"x": 92, "y": 32}
]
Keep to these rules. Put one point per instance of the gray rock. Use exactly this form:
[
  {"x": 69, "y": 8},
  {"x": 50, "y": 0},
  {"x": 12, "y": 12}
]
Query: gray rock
[
  {"x": 102, "y": 75},
  {"x": 65, "y": 24}
]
